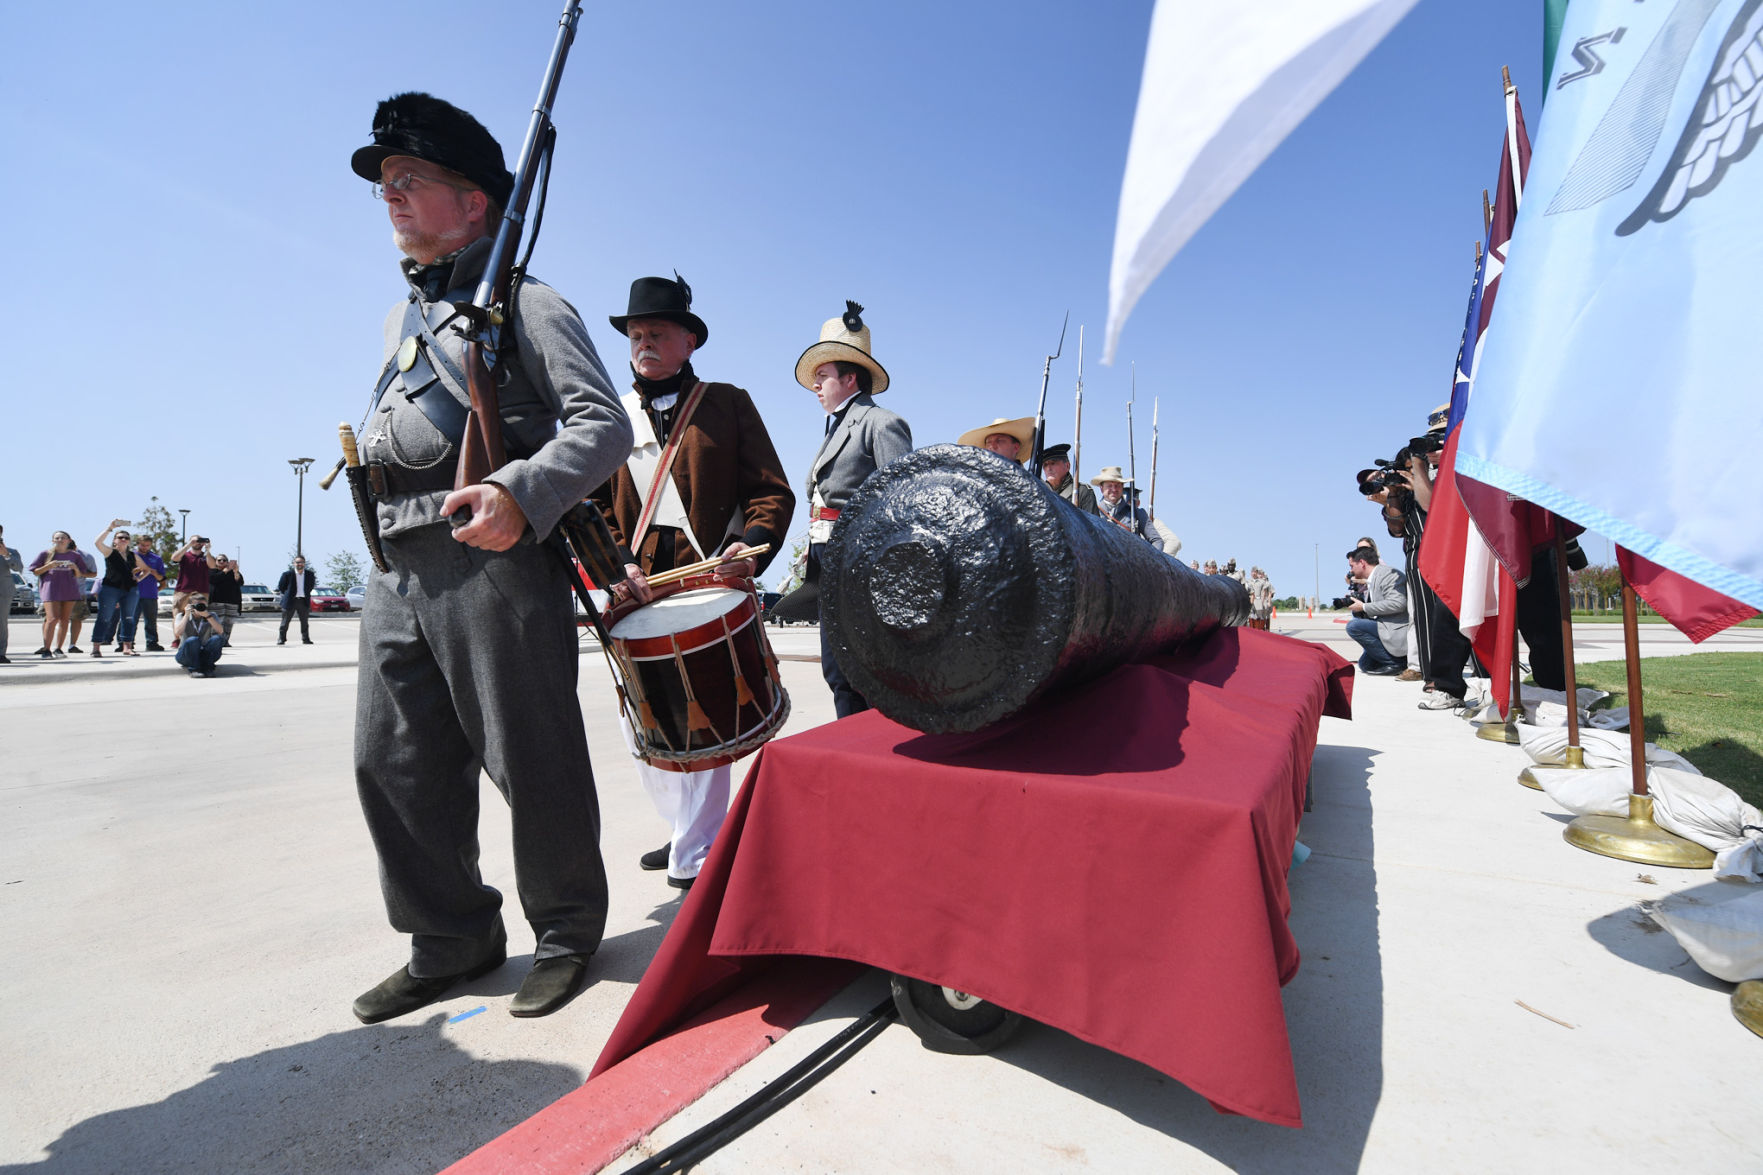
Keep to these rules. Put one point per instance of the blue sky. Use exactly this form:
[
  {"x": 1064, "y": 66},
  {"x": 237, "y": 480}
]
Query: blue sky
[{"x": 198, "y": 279}]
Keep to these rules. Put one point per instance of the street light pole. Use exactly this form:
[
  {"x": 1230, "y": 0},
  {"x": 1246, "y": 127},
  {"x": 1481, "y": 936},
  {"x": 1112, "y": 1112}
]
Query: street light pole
[
  {"x": 301, "y": 465},
  {"x": 185, "y": 536}
]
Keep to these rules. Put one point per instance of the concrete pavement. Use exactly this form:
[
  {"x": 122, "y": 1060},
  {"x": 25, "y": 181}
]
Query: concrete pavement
[{"x": 192, "y": 902}]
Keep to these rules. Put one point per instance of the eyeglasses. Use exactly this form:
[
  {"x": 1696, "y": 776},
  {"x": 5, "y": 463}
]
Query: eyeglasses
[{"x": 402, "y": 184}]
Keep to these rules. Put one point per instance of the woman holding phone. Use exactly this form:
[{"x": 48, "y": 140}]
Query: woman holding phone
[{"x": 58, "y": 571}]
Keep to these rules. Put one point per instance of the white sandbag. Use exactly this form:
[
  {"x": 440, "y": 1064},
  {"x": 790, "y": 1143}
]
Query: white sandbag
[
  {"x": 1547, "y": 714},
  {"x": 1588, "y": 697},
  {"x": 1595, "y": 791},
  {"x": 1548, "y": 744},
  {"x": 1711, "y": 814},
  {"x": 1720, "y": 925},
  {"x": 1615, "y": 718}
]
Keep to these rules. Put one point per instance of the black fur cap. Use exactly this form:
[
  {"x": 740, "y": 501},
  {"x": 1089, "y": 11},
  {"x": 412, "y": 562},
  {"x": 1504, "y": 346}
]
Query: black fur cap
[{"x": 424, "y": 127}]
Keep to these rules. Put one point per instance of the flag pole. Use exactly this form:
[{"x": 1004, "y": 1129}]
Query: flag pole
[
  {"x": 1506, "y": 730},
  {"x": 1575, "y": 754},
  {"x": 1635, "y": 837}
]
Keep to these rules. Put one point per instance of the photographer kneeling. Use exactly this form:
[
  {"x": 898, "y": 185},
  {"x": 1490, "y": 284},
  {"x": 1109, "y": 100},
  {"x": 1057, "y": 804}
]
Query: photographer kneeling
[
  {"x": 1379, "y": 624},
  {"x": 199, "y": 637}
]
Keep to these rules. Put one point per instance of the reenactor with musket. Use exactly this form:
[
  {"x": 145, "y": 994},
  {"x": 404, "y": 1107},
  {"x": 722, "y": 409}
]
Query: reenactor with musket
[{"x": 468, "y": 636}]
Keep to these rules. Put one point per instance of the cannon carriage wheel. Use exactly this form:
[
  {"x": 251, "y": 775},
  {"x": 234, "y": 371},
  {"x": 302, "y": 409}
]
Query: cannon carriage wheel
[{"x": 951, "y": 1021}]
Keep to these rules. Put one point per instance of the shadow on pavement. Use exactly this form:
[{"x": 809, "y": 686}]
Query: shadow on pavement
[
  {"x": 1334, "y": 1010},
  {"x": 387, "y": 1098},
  {"x": 394, "y": 1097},
  {"x": 1632, "y": 936}
]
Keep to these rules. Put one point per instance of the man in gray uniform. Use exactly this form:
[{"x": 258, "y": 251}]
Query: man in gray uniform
[
  {"x": 468, "y": 643},
  {"x": 1056, "y": 469},
  {"x": 860, "y": 438}
]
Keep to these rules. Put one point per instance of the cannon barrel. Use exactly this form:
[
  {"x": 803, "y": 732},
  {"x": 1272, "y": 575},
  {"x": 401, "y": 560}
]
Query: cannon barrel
[{"x": 958, "y": 588}]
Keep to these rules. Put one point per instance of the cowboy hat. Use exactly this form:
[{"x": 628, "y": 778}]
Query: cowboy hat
[
  {"x": 1109, "y": 473},
  {"x": 842, "y": 340},
  {"x": 1023, "y": 429},
  {"x": 662, "y": 297}
]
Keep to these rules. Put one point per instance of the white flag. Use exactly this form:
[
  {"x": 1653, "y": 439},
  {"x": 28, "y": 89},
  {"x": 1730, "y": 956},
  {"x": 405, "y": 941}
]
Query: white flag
[{"x": 1224, "y": 82}]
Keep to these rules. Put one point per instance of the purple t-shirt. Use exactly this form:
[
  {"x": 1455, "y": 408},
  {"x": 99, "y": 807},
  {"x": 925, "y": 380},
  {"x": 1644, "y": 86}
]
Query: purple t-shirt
[
  {"x": 193, "y": 573},
  {"x": 63, "y": 583},
  {"x": 149, "y": 587}
]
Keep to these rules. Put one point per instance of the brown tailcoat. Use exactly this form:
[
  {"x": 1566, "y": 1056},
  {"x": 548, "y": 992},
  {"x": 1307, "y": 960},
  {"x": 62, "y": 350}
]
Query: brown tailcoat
[{"x": 726, "y": 464}]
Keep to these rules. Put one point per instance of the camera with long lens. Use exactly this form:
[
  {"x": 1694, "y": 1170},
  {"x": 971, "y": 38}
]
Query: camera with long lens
[{"x": 1386, "y": 476}]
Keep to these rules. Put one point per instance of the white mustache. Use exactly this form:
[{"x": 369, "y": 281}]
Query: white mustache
[{"x": 647, "y": 354}]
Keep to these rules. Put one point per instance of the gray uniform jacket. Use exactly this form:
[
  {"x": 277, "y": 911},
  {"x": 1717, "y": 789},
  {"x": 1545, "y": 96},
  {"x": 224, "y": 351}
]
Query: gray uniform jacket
[
  {"x": 1388, "y": 605},
  {"x": 865, "y": 439},
  {"x": 556, "y": 380},
  {"x": 1078, "y": 494}
]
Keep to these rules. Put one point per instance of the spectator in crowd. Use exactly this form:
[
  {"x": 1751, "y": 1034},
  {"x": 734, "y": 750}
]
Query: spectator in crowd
[
  {"x": 198, "y": 637},
  {"x": 225, "y": 590},
  {"x": 295, "y": 590},
  {"x": 1234, "y": 572},
  {"x": 194, "y": 563},
  {"x": 58, "y": 571},
  {"x": 1379, "y": 624},
  {"x": 1260, "y": 599},
  {"x": 9, "y": 562},
  {"x": 116, "y": 592},
  {"x": 1211, "y": 567},
  {"x": 149, "y": 574}
]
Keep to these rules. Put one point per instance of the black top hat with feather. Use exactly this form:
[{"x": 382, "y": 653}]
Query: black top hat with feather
[
  {"x": 662, "y": 297},
  {"x": 425, "y": 127}
]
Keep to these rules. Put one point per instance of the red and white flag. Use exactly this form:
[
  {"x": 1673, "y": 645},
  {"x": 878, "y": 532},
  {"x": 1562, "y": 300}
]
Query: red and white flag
[{"x": 1471, "y": 527}]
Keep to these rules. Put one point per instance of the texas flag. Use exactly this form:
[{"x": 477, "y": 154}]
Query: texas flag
[{"x": 1457, "y": 556}]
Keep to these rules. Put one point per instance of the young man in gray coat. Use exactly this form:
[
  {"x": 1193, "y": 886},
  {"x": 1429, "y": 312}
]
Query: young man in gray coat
[
  {"x": 860, "y": 438},
  {"x": 1380, "y": 622},
  {"x": 468, "y": 655}
]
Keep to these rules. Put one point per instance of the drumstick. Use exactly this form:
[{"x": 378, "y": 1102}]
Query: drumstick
[{"x": 690, "y": 569}]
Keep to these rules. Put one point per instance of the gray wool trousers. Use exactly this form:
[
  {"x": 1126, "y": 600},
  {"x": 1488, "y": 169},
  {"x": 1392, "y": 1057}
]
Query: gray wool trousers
[{"x": 469, "y": 662}]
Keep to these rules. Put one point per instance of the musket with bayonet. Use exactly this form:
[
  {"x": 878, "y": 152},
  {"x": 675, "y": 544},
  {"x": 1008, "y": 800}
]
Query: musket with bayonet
[
  {"x": 1077, "y": 430},
  {"x": 1151, "y": 506},
  {"x": 481, "y": 452},
  {"x": 1040, "y": 438}
]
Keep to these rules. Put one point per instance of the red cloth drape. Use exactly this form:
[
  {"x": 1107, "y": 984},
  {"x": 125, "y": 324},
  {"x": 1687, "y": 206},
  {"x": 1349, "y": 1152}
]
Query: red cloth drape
[{"x": 1111, "y": 861}]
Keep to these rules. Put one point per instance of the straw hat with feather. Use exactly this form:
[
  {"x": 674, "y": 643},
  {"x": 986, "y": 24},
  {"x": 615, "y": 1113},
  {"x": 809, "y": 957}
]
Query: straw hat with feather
[
  {"x": 844, "y": 339},
  {"x": 1023, "y": 429}
]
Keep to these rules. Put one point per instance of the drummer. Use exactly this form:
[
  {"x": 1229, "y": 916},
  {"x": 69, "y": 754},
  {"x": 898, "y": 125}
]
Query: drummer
[{"x": 703, "y": 478}]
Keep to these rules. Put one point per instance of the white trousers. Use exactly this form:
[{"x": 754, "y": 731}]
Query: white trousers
[{"x": 694, "y": 803}]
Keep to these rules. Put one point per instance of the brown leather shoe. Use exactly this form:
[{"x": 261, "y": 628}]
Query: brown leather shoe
[
  {"x": 402, "y": 992},
  {"x": 549, "y": 985},
  {"x": 1408, "y": 675}
]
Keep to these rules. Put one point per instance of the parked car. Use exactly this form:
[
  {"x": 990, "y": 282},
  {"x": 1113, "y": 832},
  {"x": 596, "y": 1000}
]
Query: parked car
[
  {"x": 326, "y": 599},
  {"x": 767, "y": 602},
  {"x": 24, "y": 594},
  {"x": 256, "y": 597},
  {"x": 357, "y": 596}
]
